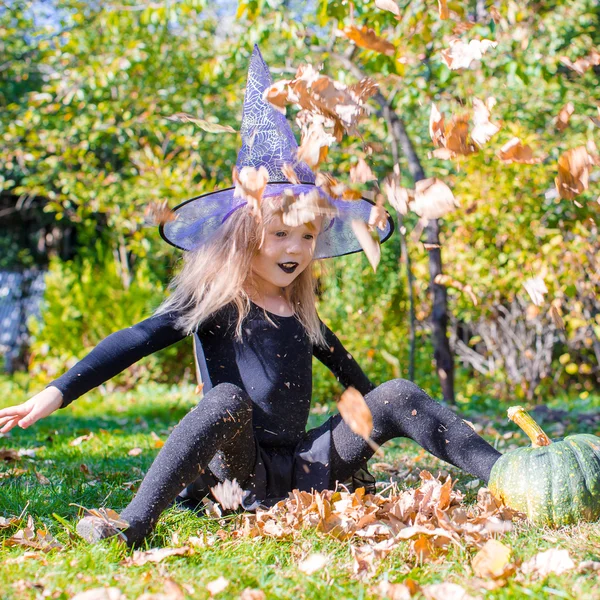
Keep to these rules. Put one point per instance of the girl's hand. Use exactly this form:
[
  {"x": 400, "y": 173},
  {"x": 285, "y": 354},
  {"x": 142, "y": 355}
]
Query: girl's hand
[{"x": 26, "y": 414}]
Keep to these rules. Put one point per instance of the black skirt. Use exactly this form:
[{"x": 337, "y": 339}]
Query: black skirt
[{"x": 280, "y": 469}]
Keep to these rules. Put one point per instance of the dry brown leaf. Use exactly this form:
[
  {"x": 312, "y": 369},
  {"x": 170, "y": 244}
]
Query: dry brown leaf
[
  {"x": 361, "y": 172},
  {"x": 135, "y": 452},
  {"x": 82, "y": 438},
  {"x": 217, "y": 586},
  {"x": 228, "y": 494},
  {"x": 445, "y": 591},
  {"x": 9, "y": 455},
  {"x": 564, "y": 116},
  {"x": 388, "y": 5},
  {"x": 433, "y": 199},
  {"x": 314, "y": 145},
  {"x": 483, "y": 128},
  {"x": 207, "y": 126},
  {"x": 457, "y": 136},
  {"x": 355, "y": 412},
  {"x": 536, "y": 288},
  {"x": 39, "y": 540},
  {"x": 396, "y": 195},
  {"x": 443, "y": 9},
  {"x": 42, "y": 479},
  {"x": 158, "y": 213},
  {"x": 5, "y": 523},
  {"x": 110, "y": 593},
  {"x": 495, "y": 14},
  {"x": 250, "y": 184},
  {"x": 393, "y": 591},
  {"x": 365, "y": 37},
  {"x": 515, "y": 151},
  {"x": 155, "y": 555},
  {"x": 368, "y": 243},
  {"x": 305, "y": 208},
  {"x": 588, "y": 566},
  {"x": 556, "y": 317},
  {"x": 313, "y": 563},
  {"x": 552, "y": 561},
  {"x": 378, "y": 216},
  {"x": 573, "y": 173},
  {"x": 336, "y": 189},
  {"x": 289, "y": 173},
  {"x": 252, "y": 594},
  {"x": 581, "y": 65},
  {"x": 437, "y": 129},
  {"x": 463, "y": 27},
  {"x": 493, "y": 560},
  {"x": 461, "y": 55}
]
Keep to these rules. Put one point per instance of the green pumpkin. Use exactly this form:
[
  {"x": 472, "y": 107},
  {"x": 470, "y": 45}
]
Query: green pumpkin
[{"x": 553, "y": 483}]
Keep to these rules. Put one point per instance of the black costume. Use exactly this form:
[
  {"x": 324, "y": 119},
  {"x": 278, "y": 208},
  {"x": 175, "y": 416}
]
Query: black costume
[{"x": 251, "y": 423}]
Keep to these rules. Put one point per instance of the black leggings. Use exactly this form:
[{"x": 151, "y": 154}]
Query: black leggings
[{"x": 218, "y": 434}]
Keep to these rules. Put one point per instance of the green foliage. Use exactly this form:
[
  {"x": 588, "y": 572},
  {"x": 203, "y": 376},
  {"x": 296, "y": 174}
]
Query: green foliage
[{"x": 85, "y": 302}]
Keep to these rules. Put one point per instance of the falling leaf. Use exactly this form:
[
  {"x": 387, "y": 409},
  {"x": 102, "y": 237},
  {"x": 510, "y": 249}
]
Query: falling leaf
[
  {"x": 313, "y": 563},
  {"x": 336, "y": 189},
  {"x": 365, "y": 37},
  {"x": 314, "y": 145},
  {"x": 443, "y": 9},
  {"x": 305, "y": 208},
  {"x": 378, "y": 217},
  {"x": 217, "y": 586},
  {"x": 564, "y": 116},
  {"x": 111, "y": 593},
  {"x": 208, "y": 126},
  {"x": 82, "y": 438},
  {"x": 396, "y": 195},
  {"x": 556, "y": 317},
  {"x": 158, "y": 213},
  {"x": 536, "y": 288},
  {"x": 135, "y": 452},
  {"x": 228, "y": 494},
  {"x": 252, "y": 594},
  {"x": 483, "y": 128},
  {"x": 355, "y": 412},
  {"x": 289, "y": 173},
  {"x": 552, "y": 561},
  {"x": 573, "y": 173},
  {"x": 581, "y": 65},
  {"x": 388, "y": 5},
  {"x": 515, "y": 151},
  {"x": 155, "y": 555},
  {"x": 495, "y": 14},
  {"x": 250, "y": 184},
  {"x": 463, "y": 27},
  {"x": 361, "y": 172},
  {"x": 433, "y": 199},
  {"x": 436, "y": 126},
  {"x": 493, "y": 560},
  {"x": 461, "y": 55},
  {"x": 370, "y": 245}
]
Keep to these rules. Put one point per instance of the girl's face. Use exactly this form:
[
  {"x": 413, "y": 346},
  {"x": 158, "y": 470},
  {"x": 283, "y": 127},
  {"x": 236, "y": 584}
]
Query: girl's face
[{"x": 285, "y": 253}]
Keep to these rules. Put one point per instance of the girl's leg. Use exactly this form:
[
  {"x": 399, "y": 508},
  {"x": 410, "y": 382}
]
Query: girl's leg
[
  {"x": 402, "y": 409},
  {"x": 221, "y": 424}
]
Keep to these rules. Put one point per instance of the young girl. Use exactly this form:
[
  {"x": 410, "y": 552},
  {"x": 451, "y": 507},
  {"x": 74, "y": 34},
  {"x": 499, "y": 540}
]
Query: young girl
[{"x": 246, "y": 293}]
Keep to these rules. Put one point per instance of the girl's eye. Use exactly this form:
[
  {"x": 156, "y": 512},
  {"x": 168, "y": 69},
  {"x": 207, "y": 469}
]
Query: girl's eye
[
  {"x": 281, "y": 234},
  {"x": 309, "y": 236}
]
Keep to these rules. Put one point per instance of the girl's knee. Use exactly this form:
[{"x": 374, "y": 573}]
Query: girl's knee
[
  {"x": 227, "y": 398},
  {"x": 396, "y": 393}
]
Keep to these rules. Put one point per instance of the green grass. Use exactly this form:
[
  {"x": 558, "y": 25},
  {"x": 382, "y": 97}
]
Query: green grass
[{"x": 123, "y": 421}]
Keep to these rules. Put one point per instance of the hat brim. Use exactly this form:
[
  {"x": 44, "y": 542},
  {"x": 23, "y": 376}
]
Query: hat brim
[{"x": 199, "y": 218}]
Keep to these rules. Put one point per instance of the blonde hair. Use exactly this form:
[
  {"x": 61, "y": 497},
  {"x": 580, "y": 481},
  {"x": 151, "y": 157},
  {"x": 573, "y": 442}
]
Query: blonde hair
[{"x": 214, "y": 275}]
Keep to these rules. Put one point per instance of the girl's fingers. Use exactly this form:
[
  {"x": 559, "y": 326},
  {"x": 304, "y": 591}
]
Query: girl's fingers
[
  {"x": 9, "y": 417},
  {"x": 12, "y": 411},
  {"x": 8, "y": 426}
]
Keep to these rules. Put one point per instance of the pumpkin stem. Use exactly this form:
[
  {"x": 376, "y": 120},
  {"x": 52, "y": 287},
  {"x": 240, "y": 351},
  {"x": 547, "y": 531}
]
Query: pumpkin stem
[{"x": 525, "y": 421}]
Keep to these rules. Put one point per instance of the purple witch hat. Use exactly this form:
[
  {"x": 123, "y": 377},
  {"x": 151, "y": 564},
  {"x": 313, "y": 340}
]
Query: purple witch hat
[{"x": 267, "y": 141}]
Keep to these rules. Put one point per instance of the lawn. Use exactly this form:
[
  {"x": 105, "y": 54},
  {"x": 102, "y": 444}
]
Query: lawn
[{"x": 54, "y": 475}]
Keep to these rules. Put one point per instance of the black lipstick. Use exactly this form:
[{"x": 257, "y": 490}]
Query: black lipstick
[{"x": 288, "y": 267}]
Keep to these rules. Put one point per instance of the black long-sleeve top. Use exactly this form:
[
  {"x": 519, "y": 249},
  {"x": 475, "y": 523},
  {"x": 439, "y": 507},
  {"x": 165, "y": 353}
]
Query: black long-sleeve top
[{"x": 272, "y": 363}]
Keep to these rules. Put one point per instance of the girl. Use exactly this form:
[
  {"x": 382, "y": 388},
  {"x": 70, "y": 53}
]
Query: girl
[{"x": 246, "y": 293}]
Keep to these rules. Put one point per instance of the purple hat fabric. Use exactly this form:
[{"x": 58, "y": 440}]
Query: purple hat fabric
[{"x": 268, "y": 141}]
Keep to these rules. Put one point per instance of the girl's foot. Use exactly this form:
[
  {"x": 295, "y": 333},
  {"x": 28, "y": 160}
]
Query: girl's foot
[{"x": 94, "y": 529}]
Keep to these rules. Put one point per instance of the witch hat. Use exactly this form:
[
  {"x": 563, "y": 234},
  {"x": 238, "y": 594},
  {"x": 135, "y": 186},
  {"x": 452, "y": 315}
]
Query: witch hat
[{"x": 267, "y": 141}]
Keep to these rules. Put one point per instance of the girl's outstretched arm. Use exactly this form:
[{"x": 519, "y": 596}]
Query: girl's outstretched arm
[
  {"x": 341, "y": 363},
  {"x": 113, "y": 354}
]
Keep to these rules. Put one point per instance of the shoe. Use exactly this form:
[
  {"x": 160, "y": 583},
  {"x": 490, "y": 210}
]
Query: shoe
[{"x": 95, "y": 529}]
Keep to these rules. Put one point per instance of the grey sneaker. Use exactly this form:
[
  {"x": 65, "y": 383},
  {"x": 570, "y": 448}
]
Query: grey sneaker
[{"x": 94, "y": 529}]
